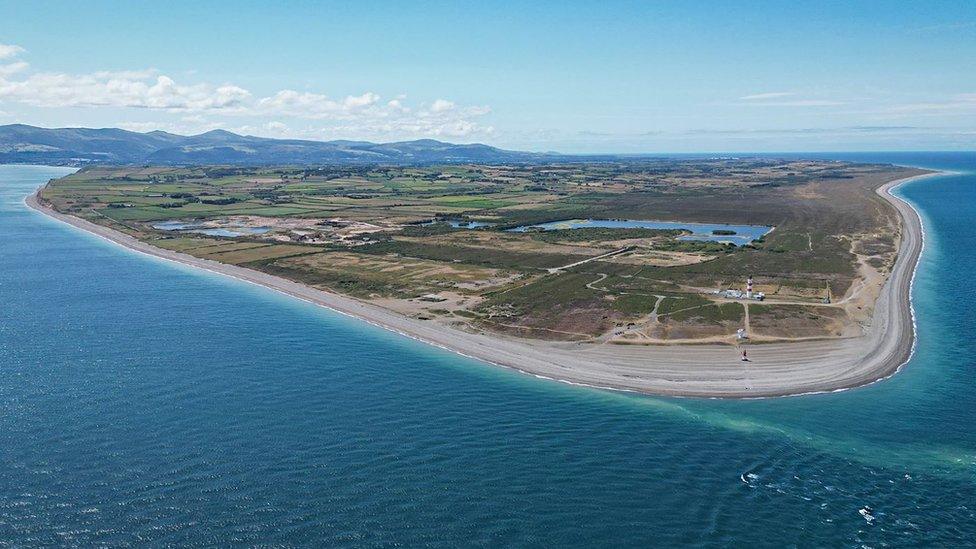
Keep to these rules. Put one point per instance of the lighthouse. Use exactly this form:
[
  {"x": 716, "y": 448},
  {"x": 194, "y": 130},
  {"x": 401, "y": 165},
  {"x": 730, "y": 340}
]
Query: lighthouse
[{"x": 749, "y": 287}]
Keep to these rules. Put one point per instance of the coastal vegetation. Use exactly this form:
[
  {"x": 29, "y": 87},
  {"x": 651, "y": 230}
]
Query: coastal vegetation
[{"x": 436, "y": 242}]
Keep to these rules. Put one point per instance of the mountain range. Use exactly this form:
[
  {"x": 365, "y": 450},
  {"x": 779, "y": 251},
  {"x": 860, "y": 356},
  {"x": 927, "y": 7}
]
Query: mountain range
[{"x": 21, "y": 143}]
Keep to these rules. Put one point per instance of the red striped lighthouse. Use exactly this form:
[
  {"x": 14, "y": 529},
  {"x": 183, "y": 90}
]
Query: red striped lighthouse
[{"x": 749, "y": 287}]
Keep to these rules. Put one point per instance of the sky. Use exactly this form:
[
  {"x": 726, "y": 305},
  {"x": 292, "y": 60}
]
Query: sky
[{"x": 573, "y": 77}]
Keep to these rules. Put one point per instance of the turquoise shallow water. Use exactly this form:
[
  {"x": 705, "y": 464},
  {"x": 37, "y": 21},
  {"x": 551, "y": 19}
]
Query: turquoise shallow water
[{"x": 144, "y": 402}]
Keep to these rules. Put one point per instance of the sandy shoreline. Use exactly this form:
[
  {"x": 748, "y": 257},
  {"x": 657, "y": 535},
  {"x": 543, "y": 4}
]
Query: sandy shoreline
[{"x": 701, "y": 371}]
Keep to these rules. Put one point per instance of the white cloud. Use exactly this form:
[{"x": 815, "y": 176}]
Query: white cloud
[
  {"x": 315, "y": 105},
  {"x": 363, "y": 115},
  {"x": 11, "y": 68},
  {"x": 123, "y": 89},
  {"x": 793, "y": 103},
  {"x": 779, "y": 99},
  {"x": 397, "y": 105},
  {"x": 277, "y": 128},
  {"x": 764, "y": 96},
  {"x": 8, "y": 51},
  {"x": 360, "y": 101},
  {"x": 963, "y": 102},
  {"x": 800, "y": 103},
  {"x": 441, "y": 105}
]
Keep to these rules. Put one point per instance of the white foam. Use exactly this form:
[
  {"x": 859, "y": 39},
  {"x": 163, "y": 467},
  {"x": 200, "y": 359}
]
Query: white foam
[{"x": 866, "y": 513}]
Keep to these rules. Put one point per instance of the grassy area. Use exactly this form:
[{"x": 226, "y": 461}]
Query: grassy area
[
  {"x": 471, "y": 255},
  {"x": 362, "y": 230},
  {"x": 713, "y": 314},
  {"x": 368, "y": 276},
  {"x": 795, "y": 321}
]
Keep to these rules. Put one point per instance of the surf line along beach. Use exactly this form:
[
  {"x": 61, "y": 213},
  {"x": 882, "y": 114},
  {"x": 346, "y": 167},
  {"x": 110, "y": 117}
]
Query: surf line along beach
[{"x": 776, "y": 369}]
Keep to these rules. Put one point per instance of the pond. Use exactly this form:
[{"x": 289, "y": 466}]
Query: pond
[
  {"x": 200, "y": 228},
  {"x": 715, "y": 232}
]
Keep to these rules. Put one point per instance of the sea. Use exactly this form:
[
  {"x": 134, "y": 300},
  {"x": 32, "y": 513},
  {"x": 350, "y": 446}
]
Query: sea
[{"x": 143, "y": 402}]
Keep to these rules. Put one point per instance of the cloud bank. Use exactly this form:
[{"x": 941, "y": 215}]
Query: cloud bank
[{"x": 202, "y": 104}]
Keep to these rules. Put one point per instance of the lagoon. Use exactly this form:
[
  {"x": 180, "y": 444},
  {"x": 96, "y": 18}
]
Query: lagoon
[
  {"x": 230, "y": 231},
  {"x": 743, "y": 234}
]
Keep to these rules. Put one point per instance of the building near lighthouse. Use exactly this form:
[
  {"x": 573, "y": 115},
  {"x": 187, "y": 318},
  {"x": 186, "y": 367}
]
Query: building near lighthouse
[{"x": 732, "y": 293}]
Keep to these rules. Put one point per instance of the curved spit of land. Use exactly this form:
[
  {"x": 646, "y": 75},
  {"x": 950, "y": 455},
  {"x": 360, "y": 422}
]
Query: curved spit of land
[{"x": 698, "y": 370}]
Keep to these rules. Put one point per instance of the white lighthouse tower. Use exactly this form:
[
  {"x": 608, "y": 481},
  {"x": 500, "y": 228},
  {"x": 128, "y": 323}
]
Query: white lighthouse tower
[{"x": 749, "y": 287}]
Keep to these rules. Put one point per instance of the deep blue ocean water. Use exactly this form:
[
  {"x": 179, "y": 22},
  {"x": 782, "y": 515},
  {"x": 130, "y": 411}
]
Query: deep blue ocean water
[{"x": 143, "y": 402}]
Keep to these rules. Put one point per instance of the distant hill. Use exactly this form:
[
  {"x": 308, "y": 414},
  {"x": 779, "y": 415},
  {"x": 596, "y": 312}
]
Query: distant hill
[{"x": 20, "y": 144}]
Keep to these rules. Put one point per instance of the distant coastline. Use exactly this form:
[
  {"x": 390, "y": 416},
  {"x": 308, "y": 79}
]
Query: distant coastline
[{"x": 778, "y": 369}]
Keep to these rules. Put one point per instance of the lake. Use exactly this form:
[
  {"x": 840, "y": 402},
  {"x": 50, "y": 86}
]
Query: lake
[
  {"x": 744, "y": 234},
  {"x": 231, "y": 231}
]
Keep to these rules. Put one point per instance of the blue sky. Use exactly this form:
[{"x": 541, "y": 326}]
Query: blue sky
[{"x": 565, "y": 76}]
